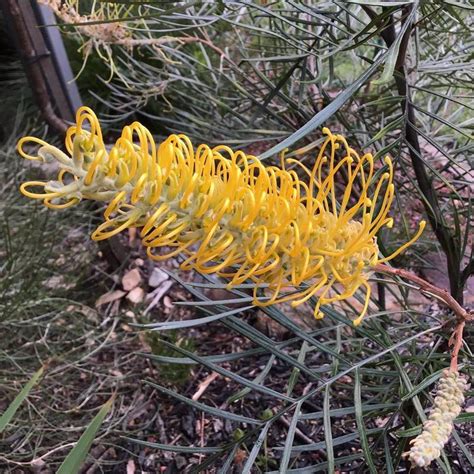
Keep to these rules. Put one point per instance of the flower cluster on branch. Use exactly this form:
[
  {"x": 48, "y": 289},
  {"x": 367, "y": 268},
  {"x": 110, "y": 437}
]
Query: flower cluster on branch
[
  {"x": 436, "y": 430},
  {"x": 227, "y": 212}
]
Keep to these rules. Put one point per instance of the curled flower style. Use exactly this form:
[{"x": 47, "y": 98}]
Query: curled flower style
[
  {"x": 438, "y": 427},
  {"x": 229, "y": 214}
]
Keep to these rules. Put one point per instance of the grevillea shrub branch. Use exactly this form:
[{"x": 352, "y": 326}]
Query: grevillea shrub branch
[
  {"x": 229, "y": 214},
  {"x": 450, "y": 395},
  {"x": 462, "y": 315}
]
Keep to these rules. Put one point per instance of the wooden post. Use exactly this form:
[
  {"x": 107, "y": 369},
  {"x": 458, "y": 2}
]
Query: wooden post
[
  {"x": 41, "y": 48},
  {"x": 44, "y": 58}
]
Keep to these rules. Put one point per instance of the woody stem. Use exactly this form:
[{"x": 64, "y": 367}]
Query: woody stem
[
  {"x": 462, "y": 315},
  {"x": 427, "y": 287},
  {"x": 456, "y": 342}
]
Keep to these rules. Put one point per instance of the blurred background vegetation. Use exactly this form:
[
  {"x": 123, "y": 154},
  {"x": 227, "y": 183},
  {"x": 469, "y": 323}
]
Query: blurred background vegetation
[{"x": 256, "y": 390}]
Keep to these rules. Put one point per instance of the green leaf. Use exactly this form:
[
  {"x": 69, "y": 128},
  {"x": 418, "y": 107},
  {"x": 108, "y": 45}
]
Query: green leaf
[
  {"x": 258, "y": 338},
  {"x": 286, "y": 456},
  {"x": 175, "y": 448},
  {"x": 410, "y": 432},
  {"x": 74, "y": 460},
  {"x": 286, "y": 322},
  {"x": 463, "y": 448},
  {"x": 258, "y": 380},
  {"x": 216, "y": 359},
  {"x": 360, "y": 423},
  {"x": 328, "y": 428},
  {"x": 392, "y": 57},
  {"x": 247, "y": 469},
  {"x": 324, "y": 466},
  {"x": 295, "y": 373},
  {"x": 378, "y": 3},
  {"x": 206, "y": 408},
  {"x": 340, "y": 440},
  {"x": 166, "y": 326},
  {"x": 285, "y": 460},
  {"x": 15, "y": 404},
  {"x": 325, "y": 113},
  {"x": 465, "y": 5},
  {"x": 376, "y": 407},
  {"x": 421, "y": 386},
  {"x": 416, "y": 430},
  {"x": 227, "y": 373}
]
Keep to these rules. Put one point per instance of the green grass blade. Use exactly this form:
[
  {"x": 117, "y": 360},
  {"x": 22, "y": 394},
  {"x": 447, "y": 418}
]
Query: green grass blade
[
  {"x": 15, "y": 404},
  {"x": 75, "y": 459}
]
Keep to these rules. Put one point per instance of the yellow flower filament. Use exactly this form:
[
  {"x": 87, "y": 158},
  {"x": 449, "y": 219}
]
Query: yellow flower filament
[{"x": 229, "y": 214}]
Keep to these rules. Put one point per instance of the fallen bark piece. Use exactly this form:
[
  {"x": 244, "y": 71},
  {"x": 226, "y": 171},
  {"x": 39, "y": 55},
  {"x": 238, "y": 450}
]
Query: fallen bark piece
[{"x": 131, "y": 279}]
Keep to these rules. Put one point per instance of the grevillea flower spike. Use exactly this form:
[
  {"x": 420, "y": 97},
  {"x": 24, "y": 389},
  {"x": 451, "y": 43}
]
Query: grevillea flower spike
[{"x": 229, "y": 214}]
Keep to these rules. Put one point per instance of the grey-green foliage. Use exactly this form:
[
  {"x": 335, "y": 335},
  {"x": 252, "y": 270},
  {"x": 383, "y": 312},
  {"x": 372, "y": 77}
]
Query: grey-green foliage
[
  {"x": 396, "y": 77},
  {"x": 247, "y": 72},
  {"x": 388, "y": 373}
]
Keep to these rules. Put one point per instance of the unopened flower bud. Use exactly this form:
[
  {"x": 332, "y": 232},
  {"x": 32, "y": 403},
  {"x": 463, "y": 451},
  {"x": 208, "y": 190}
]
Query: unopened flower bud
[{"x": 436, "y": 430}]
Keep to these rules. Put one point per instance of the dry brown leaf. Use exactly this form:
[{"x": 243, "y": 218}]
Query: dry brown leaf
[
  {"x": 109, "y": 297},
  {"x": 137, "y": 295},
  {"x": 126, "y": 328},
  {"x": 130, "y": 467},
  {"x": 167, "y": 302},
  {"x": 131, "y": 279},
  {"x": 381, "y": 422}
]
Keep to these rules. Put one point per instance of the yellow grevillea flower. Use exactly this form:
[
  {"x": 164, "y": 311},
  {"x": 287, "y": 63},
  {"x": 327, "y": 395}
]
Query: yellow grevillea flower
[{"x": 229, "y": 214}]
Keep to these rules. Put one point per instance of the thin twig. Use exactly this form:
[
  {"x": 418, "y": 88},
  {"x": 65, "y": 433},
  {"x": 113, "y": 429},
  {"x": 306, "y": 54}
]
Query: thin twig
[
  {"x": 462, "y": 315},
  {"x": 425, "y": 286},
  {"x": 204, "y": 384},
  {"x": 39, "y": 460},
  {"x": 456, "y": 342}
]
